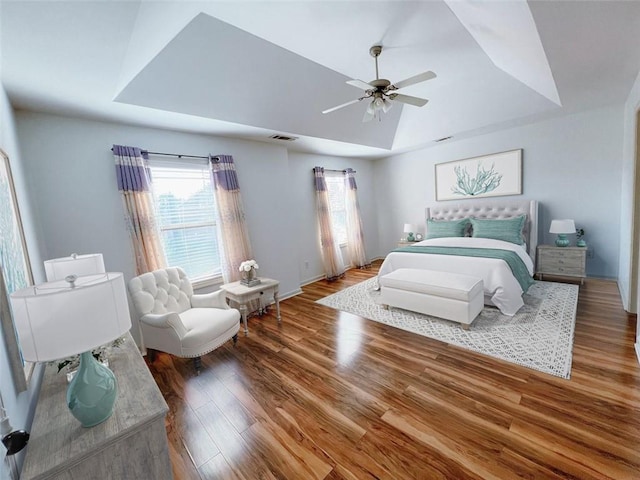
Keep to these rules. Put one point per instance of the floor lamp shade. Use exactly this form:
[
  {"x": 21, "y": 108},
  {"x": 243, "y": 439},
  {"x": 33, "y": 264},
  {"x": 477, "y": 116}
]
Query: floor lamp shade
[
  {"x": 59, "y": 268},
  {"x": 63, "y": 318}
]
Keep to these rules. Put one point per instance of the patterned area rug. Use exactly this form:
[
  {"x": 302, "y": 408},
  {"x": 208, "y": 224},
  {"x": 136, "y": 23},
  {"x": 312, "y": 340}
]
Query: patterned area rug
[{"x": 539, "y": 336}]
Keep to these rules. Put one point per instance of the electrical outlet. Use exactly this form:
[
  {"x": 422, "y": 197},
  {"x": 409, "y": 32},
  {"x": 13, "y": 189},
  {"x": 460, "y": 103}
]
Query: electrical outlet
[
  {"x": 590, "y": 252},
  {"x": 306, "y": 265}
]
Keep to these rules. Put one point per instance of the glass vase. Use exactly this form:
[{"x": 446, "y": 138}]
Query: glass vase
[{"x": 250, "y": 278}]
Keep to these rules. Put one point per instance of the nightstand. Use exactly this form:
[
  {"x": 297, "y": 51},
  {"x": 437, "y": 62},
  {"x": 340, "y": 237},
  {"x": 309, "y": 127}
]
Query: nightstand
[
  {"x": 405, "y": 244},
  {"x": 562, "y": 262}
]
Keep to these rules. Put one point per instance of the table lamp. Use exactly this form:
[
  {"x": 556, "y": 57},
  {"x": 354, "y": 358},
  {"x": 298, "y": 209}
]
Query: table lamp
[
  {"x": 562, "y": 228},
  {"x": 58, "y": 319},
  {"x": 59, "y": 268},
  {"x": 409, "y": 228}
]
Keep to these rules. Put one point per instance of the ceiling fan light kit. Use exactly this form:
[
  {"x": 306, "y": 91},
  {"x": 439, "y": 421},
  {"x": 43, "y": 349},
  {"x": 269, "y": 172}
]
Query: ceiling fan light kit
[{"x": 382, "y": 92}]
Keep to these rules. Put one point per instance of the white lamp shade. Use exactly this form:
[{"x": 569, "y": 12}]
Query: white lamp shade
[
  {"x": 409, "y": 228},
  {"x": 562, "y": 226},
  {"x": 55, "y": 321},
  {"x": 59, "y": 268}
]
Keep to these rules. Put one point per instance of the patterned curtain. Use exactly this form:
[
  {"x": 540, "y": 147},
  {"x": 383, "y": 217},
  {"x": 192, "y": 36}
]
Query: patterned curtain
[
  {"x": 331, "y": 256},
  {"x": 134, "y": 184},
  {"x": 232, "y": 226},
  {"x": 355, "y": 233}
]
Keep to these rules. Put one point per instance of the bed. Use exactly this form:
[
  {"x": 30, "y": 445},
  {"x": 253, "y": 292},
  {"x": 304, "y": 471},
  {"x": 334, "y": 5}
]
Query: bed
[{"x": 502, "y": 288}]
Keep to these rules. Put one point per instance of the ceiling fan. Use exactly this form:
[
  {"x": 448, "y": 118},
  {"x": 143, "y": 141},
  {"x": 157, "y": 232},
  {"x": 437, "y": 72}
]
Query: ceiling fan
[{"x": 382, "y": 91}]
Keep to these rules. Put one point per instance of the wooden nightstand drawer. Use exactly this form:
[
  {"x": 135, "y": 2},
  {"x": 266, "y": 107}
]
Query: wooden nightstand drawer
[
  {"x": 561, "y": 254},
  {"x": 561, "y": 261},
  {"x": 575, "y": 271},
  {"x": 569, "y": 262}
]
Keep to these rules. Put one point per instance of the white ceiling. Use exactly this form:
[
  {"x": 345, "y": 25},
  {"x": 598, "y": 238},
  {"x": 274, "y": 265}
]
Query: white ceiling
[{"x": 253, "y": 69}]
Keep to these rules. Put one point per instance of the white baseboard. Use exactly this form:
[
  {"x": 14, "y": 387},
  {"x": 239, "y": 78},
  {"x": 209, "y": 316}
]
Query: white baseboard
[
  {"x": 623, "y": 295},
  {"x": 311, "y": 280},
  {"x": 322, "y": 276},
  {"x": 638, "y": 351},
  {"x": 290, "y": 294}
]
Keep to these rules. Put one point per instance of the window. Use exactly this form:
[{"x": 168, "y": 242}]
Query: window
[
  {"x": 337, "y": 204},
  {"x": 185, "y": 207}
]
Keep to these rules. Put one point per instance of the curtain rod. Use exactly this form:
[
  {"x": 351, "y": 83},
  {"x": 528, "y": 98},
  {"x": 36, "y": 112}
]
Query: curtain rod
[
  {"x": 337, "y": 171},
  {"x": 179, "y": 155}
]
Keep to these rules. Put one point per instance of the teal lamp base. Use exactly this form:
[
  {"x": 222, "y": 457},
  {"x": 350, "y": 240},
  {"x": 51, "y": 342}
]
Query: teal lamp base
[
  {"x": 410, "y": 237},
  {"x": 92, "y": 392},
  {"x": 562, "y": 240}
]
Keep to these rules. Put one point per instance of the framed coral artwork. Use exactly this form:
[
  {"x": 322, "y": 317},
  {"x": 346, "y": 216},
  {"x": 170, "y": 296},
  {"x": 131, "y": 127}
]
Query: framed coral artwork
[{"x": 492, "y": 175}]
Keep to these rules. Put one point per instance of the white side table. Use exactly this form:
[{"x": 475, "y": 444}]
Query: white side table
[{"x": 242, "y": 295}]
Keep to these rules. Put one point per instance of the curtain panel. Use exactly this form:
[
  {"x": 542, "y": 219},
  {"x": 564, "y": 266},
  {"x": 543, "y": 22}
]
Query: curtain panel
[
  {"x": 134, "y": 184},
  {"x": 233, "y": 234},
  {"x": 355, "y": 233},
  {"x": 330, "y": 250}
]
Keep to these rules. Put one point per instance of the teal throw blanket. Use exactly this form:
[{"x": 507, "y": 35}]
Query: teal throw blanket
[{"x": 516, "y": 264}]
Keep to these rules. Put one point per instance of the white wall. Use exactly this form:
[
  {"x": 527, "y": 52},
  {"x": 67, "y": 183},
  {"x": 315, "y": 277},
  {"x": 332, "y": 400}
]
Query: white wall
[
  {"x": 303, "y": 196},
  {"x": 571, "y": 165},
  {"x": 73, "y": 185},
  {"x": 20, "y": 406},
  {"x": 629, "y": 213}
]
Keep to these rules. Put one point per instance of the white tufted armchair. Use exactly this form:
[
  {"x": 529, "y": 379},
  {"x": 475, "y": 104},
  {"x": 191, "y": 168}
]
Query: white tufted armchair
[{"x": 174, "y": 320}]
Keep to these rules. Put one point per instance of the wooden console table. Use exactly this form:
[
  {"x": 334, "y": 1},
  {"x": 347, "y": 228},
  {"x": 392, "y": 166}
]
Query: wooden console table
[
  {"x": 132, "y": 443},
  {"x": 242, "y": 295}
]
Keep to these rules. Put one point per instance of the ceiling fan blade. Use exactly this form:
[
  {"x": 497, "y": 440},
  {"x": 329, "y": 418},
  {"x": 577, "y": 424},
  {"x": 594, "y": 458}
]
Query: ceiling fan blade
[
  {"x": 418, "y": 102},
  {"x": 329, "y": 110},
  {"x": 360, "y": 84},
  {"x": 421, "y": 77}
]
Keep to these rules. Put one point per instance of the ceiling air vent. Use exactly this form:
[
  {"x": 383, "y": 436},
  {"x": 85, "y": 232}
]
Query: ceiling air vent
[
  {"x": 443, "y": 139},
  {"x": 283, "y": 137}
]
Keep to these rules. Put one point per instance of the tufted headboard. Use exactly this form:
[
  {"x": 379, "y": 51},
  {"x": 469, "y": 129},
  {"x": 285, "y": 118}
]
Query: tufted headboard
[{"x": 492, "y": 209}]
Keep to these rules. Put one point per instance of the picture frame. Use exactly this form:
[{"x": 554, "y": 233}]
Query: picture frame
[
  {"x": 493, "y": 175},
  {"x": 15, "y": 270}
]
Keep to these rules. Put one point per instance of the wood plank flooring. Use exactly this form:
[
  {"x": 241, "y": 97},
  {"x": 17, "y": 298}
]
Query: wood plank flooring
[{"x": 330, "y": 395}]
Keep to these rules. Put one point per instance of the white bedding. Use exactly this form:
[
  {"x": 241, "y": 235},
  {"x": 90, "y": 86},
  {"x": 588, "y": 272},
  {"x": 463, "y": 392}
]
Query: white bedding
[{"x": 500, "y": 286}]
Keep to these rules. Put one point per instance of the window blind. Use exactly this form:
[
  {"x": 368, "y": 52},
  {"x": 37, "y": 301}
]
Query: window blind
[{"x": 185, "y": 209}]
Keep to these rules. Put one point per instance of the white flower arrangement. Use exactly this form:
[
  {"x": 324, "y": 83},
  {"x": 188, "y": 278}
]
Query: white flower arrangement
[
  {"x": 99, "y": 353},
  {"x": 248, "y": 265}
]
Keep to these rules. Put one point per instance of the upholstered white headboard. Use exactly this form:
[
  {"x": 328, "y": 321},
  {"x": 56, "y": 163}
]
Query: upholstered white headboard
[{"x": 492, "y": 209}]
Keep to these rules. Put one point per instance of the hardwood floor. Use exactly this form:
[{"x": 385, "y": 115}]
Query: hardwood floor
[{"x": 330, "y": 395}]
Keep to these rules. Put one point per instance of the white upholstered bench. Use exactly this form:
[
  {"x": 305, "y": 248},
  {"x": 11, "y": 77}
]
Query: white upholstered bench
[{"x": 451, "y": 296}]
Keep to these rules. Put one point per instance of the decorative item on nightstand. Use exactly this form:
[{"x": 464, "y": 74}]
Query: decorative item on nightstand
[
  {"x": 562, "y": 228},
  {"x": 58, "y": 319},
  {"x": 579, "y": 235},
  {"x": 409, "y": 228},
  {"x": 249, "y": 272}
]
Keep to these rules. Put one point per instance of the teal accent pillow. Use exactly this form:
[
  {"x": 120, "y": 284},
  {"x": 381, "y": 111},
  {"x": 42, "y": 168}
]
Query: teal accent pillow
[
  {"x": 446, "y": 228},
  {"x": 505, "y": 229}
]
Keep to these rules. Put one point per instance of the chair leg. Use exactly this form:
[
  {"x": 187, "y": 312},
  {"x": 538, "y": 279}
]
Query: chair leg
[
  {"x": 197, "y": 363},
  {"x": 235, "y": 339}
]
